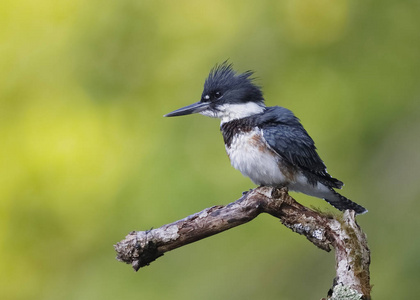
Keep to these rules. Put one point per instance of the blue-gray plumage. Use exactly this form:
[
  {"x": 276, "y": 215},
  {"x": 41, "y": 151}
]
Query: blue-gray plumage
[{"x": 267, "y": 144}]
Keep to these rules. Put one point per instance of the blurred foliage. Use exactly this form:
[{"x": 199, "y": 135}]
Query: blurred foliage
[{"x": 86, "y": 156}]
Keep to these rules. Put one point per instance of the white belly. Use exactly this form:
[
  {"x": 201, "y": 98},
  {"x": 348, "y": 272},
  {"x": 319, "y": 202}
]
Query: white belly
[{"x": 249, "y": 154}]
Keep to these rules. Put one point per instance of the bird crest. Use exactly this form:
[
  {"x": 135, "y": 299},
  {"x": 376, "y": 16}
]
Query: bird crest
[{"x": 224, "y": 79}]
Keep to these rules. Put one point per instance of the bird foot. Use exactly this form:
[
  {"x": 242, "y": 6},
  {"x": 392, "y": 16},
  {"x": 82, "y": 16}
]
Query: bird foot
[
  {"x": 277, "y": 192},
  {"x": 246, "y": 192}
]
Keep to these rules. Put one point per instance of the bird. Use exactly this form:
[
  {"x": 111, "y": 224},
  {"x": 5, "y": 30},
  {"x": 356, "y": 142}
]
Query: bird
[{"x": 267, "y": 144}]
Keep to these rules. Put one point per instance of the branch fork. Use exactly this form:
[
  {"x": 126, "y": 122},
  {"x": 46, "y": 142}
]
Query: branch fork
[{"x": 140, "y": 248}]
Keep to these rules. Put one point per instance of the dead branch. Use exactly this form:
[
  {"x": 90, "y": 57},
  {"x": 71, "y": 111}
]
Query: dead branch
[{"x": 352, "y": 254}]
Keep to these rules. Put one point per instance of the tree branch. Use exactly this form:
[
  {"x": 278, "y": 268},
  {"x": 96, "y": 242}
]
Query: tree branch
[{"x": 342, "y": 233}]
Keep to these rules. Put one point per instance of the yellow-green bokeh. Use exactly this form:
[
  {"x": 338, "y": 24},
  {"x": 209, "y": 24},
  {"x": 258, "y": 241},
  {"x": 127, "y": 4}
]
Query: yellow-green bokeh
[{"x": 86, "y": 156}]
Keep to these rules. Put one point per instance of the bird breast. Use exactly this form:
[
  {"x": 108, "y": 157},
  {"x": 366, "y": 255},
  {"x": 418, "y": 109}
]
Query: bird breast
[{"x": 252, "y": 156}]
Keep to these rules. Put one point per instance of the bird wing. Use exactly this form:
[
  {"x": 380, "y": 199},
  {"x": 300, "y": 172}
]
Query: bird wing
[
  {"x": 287, "y": 137},
  {"x": 295, "y": 146}
]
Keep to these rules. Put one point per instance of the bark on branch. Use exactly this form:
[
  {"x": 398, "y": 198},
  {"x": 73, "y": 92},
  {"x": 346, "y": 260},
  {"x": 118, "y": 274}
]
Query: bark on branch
[{"x": 352, "y": 254}]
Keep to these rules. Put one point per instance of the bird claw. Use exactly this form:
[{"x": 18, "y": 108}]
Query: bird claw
[
  {"x": 246, "y": 192},
  {"x": 276, "y": 192}
]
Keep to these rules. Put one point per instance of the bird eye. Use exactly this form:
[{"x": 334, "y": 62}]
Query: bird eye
[{"x": 218, "y": 94}]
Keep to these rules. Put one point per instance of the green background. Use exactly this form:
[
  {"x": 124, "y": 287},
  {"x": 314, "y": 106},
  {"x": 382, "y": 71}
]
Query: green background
[{"x": 86, "y": 156}]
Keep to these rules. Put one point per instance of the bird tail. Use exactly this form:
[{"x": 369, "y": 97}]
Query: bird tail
[{"x": 342, "y": 203}]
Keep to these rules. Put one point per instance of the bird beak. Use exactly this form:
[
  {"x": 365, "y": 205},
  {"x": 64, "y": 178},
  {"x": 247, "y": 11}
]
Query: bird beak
[{"x": 190, "y": 109}]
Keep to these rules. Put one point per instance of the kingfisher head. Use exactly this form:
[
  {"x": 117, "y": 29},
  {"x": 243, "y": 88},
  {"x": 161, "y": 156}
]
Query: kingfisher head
[{"x": 226, "y": 95}]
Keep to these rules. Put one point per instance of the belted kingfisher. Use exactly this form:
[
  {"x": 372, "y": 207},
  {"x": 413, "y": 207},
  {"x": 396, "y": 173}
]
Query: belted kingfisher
[{"x": 267, "y": 144}]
